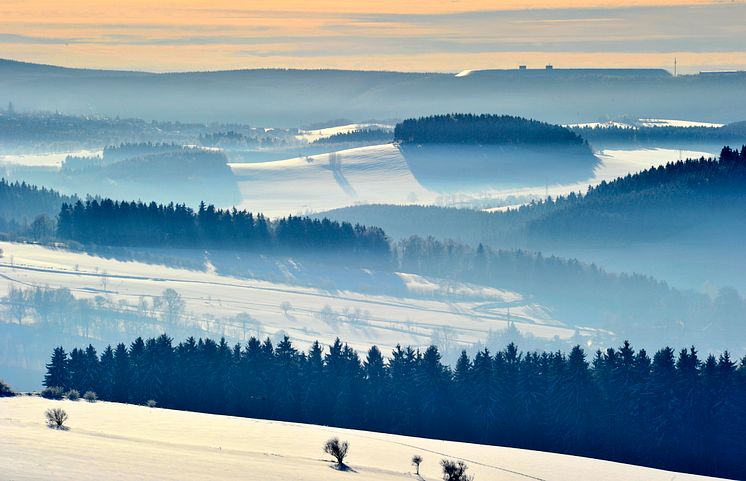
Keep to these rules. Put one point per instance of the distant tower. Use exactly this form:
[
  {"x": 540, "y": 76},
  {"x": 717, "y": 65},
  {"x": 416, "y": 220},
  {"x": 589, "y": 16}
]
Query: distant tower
[
  {"x": 675, "y": 74},
  {"x": 11, "y": 110}
]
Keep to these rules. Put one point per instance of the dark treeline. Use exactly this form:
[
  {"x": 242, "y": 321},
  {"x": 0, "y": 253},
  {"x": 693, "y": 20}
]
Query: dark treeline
[
  {"x": 129, "y": 150},
  {"x": 358, "y": 136},
  {"x": 730, "y": 133},
  {"x": 482, "y": 129},
  {"x": 657, "y": 202},
  {"x": 233, "y": 139},
  {"x": 669, "y": 410},
  {"x": 21, "y": 203},
  {"x": 654, "y": 203},
  {"x": 586, "y": 293},
  {"x": 116, "y": 223}
]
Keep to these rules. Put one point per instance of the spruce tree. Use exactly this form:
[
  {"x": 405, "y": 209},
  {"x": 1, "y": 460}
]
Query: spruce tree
[{"x": 58, "y": 374}]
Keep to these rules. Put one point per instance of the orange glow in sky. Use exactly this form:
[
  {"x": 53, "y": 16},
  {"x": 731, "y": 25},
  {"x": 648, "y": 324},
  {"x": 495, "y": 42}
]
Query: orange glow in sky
[{"x": 387, "y": 34}]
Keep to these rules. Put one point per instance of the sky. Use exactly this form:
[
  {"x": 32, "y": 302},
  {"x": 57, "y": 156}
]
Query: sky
[{"x": 405, "y": 35}]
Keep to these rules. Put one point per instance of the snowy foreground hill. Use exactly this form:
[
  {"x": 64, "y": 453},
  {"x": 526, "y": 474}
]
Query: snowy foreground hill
[{"x": 124, "y": 442}]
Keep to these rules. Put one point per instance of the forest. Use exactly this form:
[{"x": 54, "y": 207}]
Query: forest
[
  {"x": 671, "y": 410},
  {"x": 358, "y": 136},
  {"x": 655, "y": 203},
  {"x": 22, "y": 203},
  {"x": 730, "y": 133},
  {"x": 115, "y": 223},
  {"x": 483, "y": 129},
  {"x": 586, "y": 293}
]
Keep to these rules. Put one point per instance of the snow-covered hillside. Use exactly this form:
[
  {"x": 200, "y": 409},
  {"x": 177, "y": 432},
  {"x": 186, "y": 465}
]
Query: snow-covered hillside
[
  {"x": 421, "y": 310},
  {"x": 316, "y": 134},
  {"x": 124, "y": 442},
  {"x": 376, "y": 174},
  {"x": 381, "y": 174}
]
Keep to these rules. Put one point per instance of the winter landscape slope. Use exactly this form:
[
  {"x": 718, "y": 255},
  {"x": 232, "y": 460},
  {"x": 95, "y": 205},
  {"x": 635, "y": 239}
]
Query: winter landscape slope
[
  {"x": 382, "y": 174},
  {"x": 269, "y": 299},
  {"x": 122, "y": 442},
  {"x": 319, "y": 182}
]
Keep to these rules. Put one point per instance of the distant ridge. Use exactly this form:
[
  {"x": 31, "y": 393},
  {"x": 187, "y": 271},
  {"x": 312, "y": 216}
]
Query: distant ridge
[{"x": 292, "y": 97}]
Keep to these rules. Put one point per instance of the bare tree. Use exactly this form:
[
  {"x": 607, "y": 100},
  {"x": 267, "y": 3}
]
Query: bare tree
[
  {"x": 56, "y": 418},
  {"x": 416, "y": 460},
  {"x": 17, "y": 303},
  {"x": 337, "y": 449},
  {"x": 455, "y": 470},
  {"x": 173, "y": 306},
  {"x": 286, "y": 307}
]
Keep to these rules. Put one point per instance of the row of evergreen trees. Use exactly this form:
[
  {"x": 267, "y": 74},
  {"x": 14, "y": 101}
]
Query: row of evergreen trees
[
  {"x": 483, "y": 129},
  {"x": 114, "y": 223},
  {"x": 725, "y": 134},
  {"x": 673, "y": 411},
  {"x": 656, "y": 202},
  {"x": 21, "y": 203}
]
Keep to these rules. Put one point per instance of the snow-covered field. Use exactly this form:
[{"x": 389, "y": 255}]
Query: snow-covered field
[
  {"x": 124, "y": 442},
  {"x": 676, "y": 123},
  {"x": 380, "y": 174},
  {"x": 314, "y": 135},
  {"x": 43, "y": 160},
  {"x": 427, "y": 308},
  {"x": 376, "y": 174}
]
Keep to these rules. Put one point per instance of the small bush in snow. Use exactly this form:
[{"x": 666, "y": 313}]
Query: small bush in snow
[
  {"x": 56, "y": 418},
  {"x": 416, "y": 460},
  {"x": 455, "y": 471},
  {"x": 5, "y": 390},
  {"x": 52, "y": 393},
  {"x": 337, "y": 449},
  {"x": 151, "y": 403},
  {"x": 73, "y": 395},
  {"x": 90, "y": 396}
]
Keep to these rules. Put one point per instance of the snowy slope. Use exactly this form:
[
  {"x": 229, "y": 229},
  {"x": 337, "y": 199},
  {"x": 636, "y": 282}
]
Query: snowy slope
[
  {"x": 316, "y": 134},
  {"x": 428, "y": 307},
  {"x": 124, "y": 442},
  {"x": 613, "y": 163},
  {"x": 375, "y": 174}
]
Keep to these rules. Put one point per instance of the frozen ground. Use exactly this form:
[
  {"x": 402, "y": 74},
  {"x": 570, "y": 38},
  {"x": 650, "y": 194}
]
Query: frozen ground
[
  {"x": 43, "y": 160},
  {"x": 427, "y": 308},
  {"x": 676, "y": 123},
  {"x": 380, "y": 174},
  {"x": 314, "y": 135},
  {"x": 124, "y": 442},
  {"x": 376, "y": 174}
]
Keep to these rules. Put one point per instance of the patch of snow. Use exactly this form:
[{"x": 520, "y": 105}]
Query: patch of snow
[
  {"x": 385, "y": 320},
  {"x": 374, "y": 174},
  {"x": 116, "y": 442},
  {"x": 676, "y": 123},
  {"x": 44, "y": 160},
  {"x": 314, "y": 135}
]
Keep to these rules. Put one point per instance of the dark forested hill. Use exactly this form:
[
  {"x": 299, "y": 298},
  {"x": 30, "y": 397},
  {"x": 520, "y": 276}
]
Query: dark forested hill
[
  {"x": 656, "y": 203},
  {"x": 458, "y": 152},
  {"x": 483, "y": 129}
]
